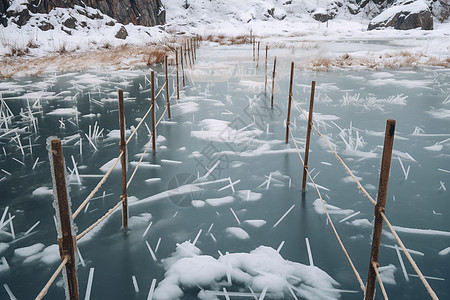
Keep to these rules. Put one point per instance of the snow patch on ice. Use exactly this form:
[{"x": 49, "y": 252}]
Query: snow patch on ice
[
  {"x": 262, "y": 268},
  {"x": 237, "y": 233}
]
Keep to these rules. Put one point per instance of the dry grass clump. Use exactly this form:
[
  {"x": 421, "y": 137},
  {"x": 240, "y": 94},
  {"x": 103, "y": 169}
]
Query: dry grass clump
[
  {"x": 228, "y": 40},
  {"x": 389, "y": 60},
  {"x": 107, "y": 56}
]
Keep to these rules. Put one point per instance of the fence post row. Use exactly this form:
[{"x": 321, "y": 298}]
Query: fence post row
[
  {"x": 380, "y": 207},
  {"x": 123, "y": 160},
  {"x": 289, "y": 105},
  {"x": 67, "y": 242},
  {"x": 167, "y": 87},
  {"x": 152, "y": 81},
  {"x": 308, "y": 135}
]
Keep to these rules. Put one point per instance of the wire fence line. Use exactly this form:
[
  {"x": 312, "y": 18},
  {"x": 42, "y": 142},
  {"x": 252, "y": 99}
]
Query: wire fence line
[
  {"x": 358, "y": 277},
  {"x": 410, "y": 259},
  {"x": 98, "y": 186}
]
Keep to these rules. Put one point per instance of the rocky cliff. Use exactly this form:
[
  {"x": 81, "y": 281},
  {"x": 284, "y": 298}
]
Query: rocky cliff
[{"x": 138, "y": 12}]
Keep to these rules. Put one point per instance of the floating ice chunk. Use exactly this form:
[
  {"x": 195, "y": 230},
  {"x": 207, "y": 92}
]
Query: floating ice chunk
[
  {"x": 105, "y": 168},
  {"x": 369, "y": 186},
  {"x": 349, "y": 179},
  {"x": 30, "y": 250},
  {"x": 421, "y": 231},
  {"x": 42, "y": 191},
  {"x": 198, "y": 203},
  {"x": 220, "y": 201},
  {"x": 140, "y": 221},
  {"x": 442, "y": 252},
  {"x": 152, "y": 180},
  {"x": 63, "y": 111},
  {"x": 171, "y": 162},
  {"x": 332, "y": 210},
  {"x": 237, "y": 233},
  {"x": 387, "y": 274},
  {"x": 247, "y": 195},
  {"x": 160, "y": 139},
  {"x": 440, "y": 113},
  {"x": 261, "y": 270},
  {"x": 255, "y": 223},
  {"x": 362, "y": 223},
  {"x": 436, "y": 147}
]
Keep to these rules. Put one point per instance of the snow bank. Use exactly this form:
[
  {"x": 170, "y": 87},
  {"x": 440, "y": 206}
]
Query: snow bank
[{"x": 262, "y": 268}]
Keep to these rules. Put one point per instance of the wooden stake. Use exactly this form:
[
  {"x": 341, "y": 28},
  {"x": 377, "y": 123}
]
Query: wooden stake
[
  {"x": 380, "y": 207},
  {"x": 253, "y": 47},
  {"x": 257, "y": 63},
  {"x": 178, "y": 79},
  {"x": 123, "y": 160},
  {"x": 289, "y": 105},
  {"x": 152, "y": 80},
  {"x": 182, "y": 65},
  {"x": 188, "y": 48},
  {"x": 67, "y": 243},
  {"x": 308, "y": 135},
  {"x": 167, "y": 87},
  {"x": 265, "y": 81},
  {"x": 273, "y": 79}
]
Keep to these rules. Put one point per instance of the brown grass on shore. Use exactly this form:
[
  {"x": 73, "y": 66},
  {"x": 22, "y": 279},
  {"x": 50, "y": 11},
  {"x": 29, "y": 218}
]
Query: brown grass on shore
[
  {"x": 121, "y": 57},
  {"x": 389, "y": 60}
]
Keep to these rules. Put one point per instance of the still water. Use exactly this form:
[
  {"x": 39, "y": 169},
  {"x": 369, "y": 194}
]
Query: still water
[{"x": 223, "y": 127}]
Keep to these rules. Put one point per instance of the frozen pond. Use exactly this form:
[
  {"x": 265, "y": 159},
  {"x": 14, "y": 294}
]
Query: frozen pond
[{"x": 222, "y": 177}]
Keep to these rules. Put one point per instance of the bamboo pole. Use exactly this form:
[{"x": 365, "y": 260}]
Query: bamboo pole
[
  {"x": 123, "y": 160},
  {"x": 289, "y": 105},
  {"x": 273, "y": 80},
  {"x": 167, "y": 87},
  {"x": 265, "y": 81},
  {"x": 308, "y": 135},
  {"x": 152, "y": 79},
  {"x": 178, "y": 79},
  {"x": 182, "y": 65},
  {"x": 67, "y": 243},
  {"x": 380, "y": 207}
]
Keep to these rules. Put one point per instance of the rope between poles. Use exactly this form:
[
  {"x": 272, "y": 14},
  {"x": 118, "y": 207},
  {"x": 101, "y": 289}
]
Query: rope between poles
[
  {"x": 411, "y": 260},
  {"x": 99, "y": 220},
  {"x": 338, "y": 157},
  {"x": 375, "y": 267},
  {"x": 358, "y": 277},
  {"x": 94, "y": 191},
  {"x": 140, "y": 123},
  {"x": 52, "y": 279}
]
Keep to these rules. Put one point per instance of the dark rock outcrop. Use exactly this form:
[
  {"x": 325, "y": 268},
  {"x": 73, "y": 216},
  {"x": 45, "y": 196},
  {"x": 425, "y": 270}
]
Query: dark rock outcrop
[
  {"x": 404, "y": 17},
  {"x": 122, "y": 33},
  {"x": 138, "y": 12}
]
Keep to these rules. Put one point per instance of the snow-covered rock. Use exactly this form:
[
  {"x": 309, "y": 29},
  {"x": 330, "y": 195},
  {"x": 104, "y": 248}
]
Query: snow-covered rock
[{"x": 405, "y": 15}]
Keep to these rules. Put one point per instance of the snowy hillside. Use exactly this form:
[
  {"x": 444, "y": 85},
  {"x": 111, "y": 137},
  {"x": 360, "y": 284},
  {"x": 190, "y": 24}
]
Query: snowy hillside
[{"x": 282, "y": 23}]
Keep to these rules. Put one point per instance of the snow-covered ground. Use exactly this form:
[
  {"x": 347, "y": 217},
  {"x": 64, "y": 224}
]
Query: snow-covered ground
[{"x": 276, "y": 23}]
